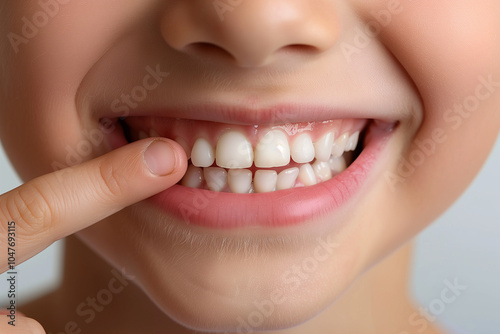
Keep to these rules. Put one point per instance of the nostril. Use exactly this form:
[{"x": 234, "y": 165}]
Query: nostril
[
  {"x": 301, "y": 48},
  {"x": 205, "y": 49},
  {"x": 213, "y": 51}
]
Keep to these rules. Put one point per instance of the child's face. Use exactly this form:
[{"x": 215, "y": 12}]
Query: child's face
[{"x": 429, "y": 69}]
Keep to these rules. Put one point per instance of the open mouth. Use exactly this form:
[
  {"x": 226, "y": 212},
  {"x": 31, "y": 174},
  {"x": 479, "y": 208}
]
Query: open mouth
[
  {"x": 275, "y": 175},
  {"x": 256, "y": 159}
]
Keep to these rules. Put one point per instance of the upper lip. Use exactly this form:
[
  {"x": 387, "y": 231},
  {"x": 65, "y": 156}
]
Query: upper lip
[{"x": 244, "y": 115}]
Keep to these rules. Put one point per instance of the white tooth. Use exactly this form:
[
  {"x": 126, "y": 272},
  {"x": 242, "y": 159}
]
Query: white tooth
[
  {"x": 339, "y": 145},
  {"x": 193, "y": 177},
  {"x": 323, "y": 147},
  {"x": 216, "y": 178},
  {"x": 184, "y": 144},
  {"x": 337, "y": 165},
  {"x": 143, "y": 135},
  {"x": 234, "y": 151},
  {"x": 153, "y": 133},
  {"x": 287, "y": 178},
  {"x": 239, "y": 180},
  {"x": 306, "y": 175},
  {"x": 264, "y": 181},
  {"x": 322, "y": 170},
  {"x": 272, "y": 150},
  {"x": 203, "y": 154},
  {"x": 302, "y": 149},
  {"x": 352, "y": 142}
]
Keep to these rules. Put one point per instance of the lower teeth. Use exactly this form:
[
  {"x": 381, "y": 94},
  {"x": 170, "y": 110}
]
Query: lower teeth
[{"x": 243, "y": 181}]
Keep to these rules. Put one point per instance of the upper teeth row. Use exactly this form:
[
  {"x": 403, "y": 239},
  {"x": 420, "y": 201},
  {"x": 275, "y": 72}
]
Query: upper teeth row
[{"x": 234, "y": 150}]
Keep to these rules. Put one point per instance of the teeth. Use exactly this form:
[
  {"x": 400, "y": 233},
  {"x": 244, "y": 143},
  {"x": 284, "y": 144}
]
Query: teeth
[
  {"x": 323, "y": 147},
  {"x": 265, "y": 181},
  {"x": 302, "y": 149},
  {"x": 193, "y": 177},
  {"x": 322, "y": 170},
  {"x": 202, "y": 154},
  {"x": 339, "y": 145},
  {"x": 216, "y": 178},
  {"x": 287, "y": 178},
  {"x": 272, "y": 150},
  {"x": 337, "y": 165},
  {"x": 240, "y": 180},
  {"x": 352, "y": 143},
  {"x": 234, "y": 155},
  {"x": 234, "y": 151},
  {"x": 306, "y": 175}
]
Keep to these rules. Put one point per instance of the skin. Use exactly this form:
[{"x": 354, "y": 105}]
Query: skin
[{"x": 422, "y": 63}]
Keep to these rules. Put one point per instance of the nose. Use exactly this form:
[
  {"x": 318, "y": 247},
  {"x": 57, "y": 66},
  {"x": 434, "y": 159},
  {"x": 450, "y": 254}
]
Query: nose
[{"x": 252, "y": 33}]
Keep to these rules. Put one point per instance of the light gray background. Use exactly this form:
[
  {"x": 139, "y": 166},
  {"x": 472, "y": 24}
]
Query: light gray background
[{"x": 464, "y": 244}]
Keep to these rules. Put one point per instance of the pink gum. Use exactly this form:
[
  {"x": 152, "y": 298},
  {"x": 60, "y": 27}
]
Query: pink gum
[{"x": 191, "y": 130}]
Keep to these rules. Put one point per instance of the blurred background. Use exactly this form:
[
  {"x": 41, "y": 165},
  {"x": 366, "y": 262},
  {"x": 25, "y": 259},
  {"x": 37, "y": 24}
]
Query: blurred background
[{"x": 463, "y": 245}]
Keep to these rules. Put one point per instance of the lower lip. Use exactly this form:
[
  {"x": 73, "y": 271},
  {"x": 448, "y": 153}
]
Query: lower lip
[{"x": 283, "y": 208}]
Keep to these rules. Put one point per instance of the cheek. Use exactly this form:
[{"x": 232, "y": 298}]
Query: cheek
[
  {"x": 49, "y": 52},
  {"x": 451, "y": 52},
  {"x": 453, "y": 58},
  {"x": 444, "y": 46},
  {"x": 448, "y": 49}
]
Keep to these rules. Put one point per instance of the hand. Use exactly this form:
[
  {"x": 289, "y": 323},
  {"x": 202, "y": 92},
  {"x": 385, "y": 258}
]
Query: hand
[{"x": 53, "y": 206}]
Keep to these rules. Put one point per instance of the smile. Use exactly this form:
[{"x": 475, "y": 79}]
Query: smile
[
  {"x": 276, "y": 174},
  {"x": 256, "y": 159}
]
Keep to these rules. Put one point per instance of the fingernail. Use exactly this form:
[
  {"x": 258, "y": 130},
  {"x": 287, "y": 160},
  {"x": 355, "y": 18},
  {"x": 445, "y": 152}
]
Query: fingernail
[{"x": 160, "y": 158}]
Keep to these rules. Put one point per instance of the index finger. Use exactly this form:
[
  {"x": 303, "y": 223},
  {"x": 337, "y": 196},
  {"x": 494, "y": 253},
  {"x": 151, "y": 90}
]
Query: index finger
[{"x": 55, "y": 205}]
